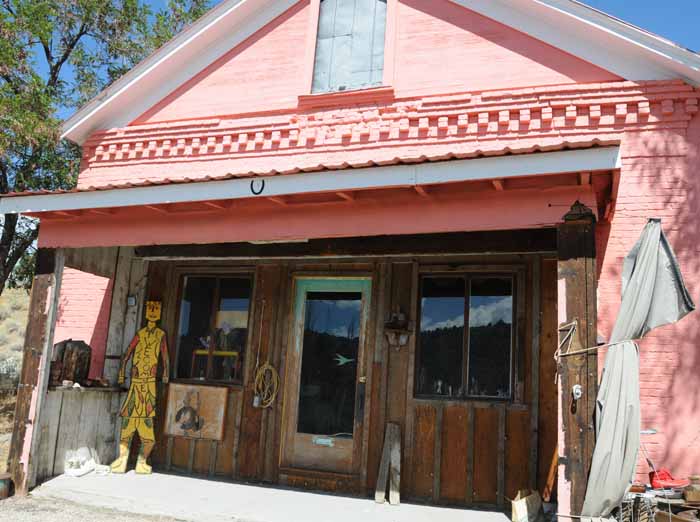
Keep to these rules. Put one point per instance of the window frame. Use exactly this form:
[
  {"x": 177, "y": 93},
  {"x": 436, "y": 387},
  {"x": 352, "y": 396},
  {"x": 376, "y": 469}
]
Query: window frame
[
  {"x": 389, "y": 53},
  {"x": 518, "y": 331},
  {"x": 217, "y": 274}
]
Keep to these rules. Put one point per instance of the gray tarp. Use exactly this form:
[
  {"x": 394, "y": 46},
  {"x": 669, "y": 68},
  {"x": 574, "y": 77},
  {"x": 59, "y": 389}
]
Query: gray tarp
[{"x": 653, "y": 294}]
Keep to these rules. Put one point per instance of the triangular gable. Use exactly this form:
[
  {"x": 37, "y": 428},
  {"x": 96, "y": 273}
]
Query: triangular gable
[
  {"x": 440, "y": 47},
  {"x": 591, "y": 36}
]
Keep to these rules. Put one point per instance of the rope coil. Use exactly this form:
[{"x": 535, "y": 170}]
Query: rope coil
[{"x": 267, "y": 381}]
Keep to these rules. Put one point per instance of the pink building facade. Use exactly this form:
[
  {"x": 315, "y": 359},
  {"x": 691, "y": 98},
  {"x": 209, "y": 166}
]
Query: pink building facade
[{"x": 487, "y": 120}]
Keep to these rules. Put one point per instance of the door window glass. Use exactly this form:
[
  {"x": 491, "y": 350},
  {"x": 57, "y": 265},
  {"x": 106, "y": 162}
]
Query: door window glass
[{"x": 329, "y": 363}]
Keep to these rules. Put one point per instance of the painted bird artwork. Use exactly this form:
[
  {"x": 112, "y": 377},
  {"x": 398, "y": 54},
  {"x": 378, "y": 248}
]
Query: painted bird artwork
[{"x": 341, "y": 360}]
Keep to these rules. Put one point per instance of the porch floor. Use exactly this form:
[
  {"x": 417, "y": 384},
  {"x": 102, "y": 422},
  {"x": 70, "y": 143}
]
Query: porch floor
[{"x": 194, "y": 499}]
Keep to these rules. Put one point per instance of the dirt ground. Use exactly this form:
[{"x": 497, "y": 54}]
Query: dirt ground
[
  {"x": 31, "y": 509},
  {"x": 7, "y": 410}
]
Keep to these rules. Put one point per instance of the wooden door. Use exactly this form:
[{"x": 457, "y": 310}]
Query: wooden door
[{"x": 325, "y": 389}]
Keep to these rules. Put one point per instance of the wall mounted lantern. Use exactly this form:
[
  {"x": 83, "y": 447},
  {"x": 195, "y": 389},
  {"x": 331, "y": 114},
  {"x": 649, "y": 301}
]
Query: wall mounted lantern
[{"x": 398, "y": 329}]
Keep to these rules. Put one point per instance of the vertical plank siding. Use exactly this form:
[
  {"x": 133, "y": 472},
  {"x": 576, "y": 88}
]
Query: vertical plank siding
[
  {"x": 517, "y": 451},
  {"x": 423, "y": 456},
  {"x": 548, "y": 403},
  {"x": 76, "y": 419},
  {"x": 455, "y": 446},
  {"x": 485, "y": 455}
]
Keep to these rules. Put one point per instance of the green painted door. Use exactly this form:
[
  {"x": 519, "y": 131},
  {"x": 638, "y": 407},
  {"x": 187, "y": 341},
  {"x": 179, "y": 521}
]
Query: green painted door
[{"x": 325, "y": 396}]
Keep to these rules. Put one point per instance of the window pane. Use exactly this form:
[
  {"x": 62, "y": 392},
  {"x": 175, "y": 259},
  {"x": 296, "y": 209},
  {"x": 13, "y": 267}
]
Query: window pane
[
  {"x": 329, "y": 363},
  {"x": 439, "y": 370},
  {"x": 195, "y": 327},
  {"x": 377, "y": 70},
  {"x": 490, "y": 336},
  {"x": 350, "y": 45},
  {"x": 231, "y": 329}
]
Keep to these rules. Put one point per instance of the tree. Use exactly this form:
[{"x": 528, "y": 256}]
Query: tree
[{"x": 54, "y": 56}]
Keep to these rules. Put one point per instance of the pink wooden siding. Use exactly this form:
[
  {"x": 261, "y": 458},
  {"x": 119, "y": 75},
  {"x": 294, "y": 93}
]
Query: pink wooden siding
[
  {"x": 83, "y": 313},
  {"x": 442, "y": 47}
]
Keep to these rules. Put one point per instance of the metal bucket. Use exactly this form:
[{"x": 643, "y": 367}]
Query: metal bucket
[{"x": 5, "y": 484}]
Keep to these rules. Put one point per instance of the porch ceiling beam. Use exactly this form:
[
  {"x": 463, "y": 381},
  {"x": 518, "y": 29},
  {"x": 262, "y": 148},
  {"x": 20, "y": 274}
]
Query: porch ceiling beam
[
  {"x": 423, "y": 191},
  {"x": 70, "y": 214},
  {"x": 494, "y": 241},
  {"x": 218, "y": 205},
  {"x": 160, "y": 210},
  {"x": 103, "y": 212},
  {"x": 347, "y": 180}
]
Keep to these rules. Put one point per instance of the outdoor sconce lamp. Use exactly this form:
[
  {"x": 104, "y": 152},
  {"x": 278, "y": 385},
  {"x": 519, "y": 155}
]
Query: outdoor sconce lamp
[{"x": 398, "y": 329}]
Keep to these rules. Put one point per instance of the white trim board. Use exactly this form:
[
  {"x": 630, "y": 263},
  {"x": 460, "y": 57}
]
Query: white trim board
[
  {"x": 499, "y": 167},
  {"x": 611, "y": 44}
]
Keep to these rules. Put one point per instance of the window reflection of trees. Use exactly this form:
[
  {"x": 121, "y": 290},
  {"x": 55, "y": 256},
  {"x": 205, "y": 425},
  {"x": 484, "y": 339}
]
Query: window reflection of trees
[
  {"x": 329, "y": 364},
  {"x": 455, "y": 362}
]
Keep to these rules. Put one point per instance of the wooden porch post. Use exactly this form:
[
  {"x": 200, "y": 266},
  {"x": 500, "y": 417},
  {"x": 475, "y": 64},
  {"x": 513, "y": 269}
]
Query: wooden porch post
[
  {"x": 576, "y": 303},
  {"x": 34, "y": 378}
]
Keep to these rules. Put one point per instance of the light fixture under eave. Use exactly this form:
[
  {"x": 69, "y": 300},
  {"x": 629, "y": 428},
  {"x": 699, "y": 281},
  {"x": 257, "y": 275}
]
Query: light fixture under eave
[{"x": 398, "y": 329}]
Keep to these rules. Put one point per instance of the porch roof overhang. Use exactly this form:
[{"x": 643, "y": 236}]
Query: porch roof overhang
[{"x": 344, "y": 182}]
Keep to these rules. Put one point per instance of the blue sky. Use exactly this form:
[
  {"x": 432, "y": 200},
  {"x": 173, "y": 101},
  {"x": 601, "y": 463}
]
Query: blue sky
[{"x": 676, "y": 20}]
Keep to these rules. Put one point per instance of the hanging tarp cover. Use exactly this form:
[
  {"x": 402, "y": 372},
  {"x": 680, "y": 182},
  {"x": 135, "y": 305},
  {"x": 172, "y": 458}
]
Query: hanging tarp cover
[{"x": 653, "y": 294}]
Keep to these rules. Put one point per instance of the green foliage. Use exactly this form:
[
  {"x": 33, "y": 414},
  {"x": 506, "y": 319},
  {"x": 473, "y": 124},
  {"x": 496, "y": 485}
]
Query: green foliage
[{"x": 55, "y": 55}]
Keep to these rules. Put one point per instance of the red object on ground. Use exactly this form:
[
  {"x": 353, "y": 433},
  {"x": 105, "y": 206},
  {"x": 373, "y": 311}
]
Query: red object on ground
[{"x": 662, "y": 479}]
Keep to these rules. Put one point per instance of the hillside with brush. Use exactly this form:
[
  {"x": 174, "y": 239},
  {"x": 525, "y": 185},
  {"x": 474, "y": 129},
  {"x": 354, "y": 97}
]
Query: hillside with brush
[{"x": 13, "y": 323}]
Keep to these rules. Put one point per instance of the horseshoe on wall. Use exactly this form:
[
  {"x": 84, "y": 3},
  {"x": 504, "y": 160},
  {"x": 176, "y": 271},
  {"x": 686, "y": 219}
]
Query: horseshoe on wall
[{"x": 252, "y": 187}]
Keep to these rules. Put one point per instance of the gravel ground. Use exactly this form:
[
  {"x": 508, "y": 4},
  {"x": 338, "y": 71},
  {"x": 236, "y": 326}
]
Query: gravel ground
[{"x": 30, "y": 509}]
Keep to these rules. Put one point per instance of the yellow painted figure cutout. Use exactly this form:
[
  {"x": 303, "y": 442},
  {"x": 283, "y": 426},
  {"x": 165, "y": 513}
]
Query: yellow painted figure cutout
[{"x": 139, "y": 408}]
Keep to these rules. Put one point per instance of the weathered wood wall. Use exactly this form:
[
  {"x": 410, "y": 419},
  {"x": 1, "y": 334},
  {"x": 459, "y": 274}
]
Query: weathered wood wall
[
  {"x": 476, "y": 451},
  {"x": 76, "y": 418},
  {"x": 453, "y": 452}
]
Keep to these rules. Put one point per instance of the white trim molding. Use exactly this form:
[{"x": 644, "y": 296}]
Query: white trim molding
[{"x": 348, "y": 180}]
